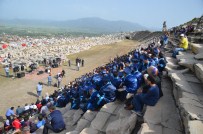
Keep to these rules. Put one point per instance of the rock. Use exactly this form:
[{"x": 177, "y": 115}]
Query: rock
[
  {"x": 190, "y": 101},
  {"x": 122, "y": 126},
  {"x": 196, "y": 48},
  {"x": 172, "y": 65},
  {"x": 170, "y": 131},
  {"x": 191, "y": 78},
  {"x": 189, "y": 63},
  {"x": 195, "y": 127},
  {"x": 199, "y": 56},
  {"x": 185, "y": 55},
  {"x": 100, "y": 120},
  {"x": 77, "y": 115},
  {"x": 199, "y": 71},
  {"x": 68, "y": 117},
  {"x": 73, "y": 132},
  {"x": 82, "y": 124},
  {"x": 89, "y": 115},
  {"x": 150, "y": 129},
  {"x": 89, "y": 131},
  {"x": 181, "y": 84},
  {"x": 124, "y": 113},
  {"x": 110, "y": 107},
  {"x": 69, "y": 114},
  {"x": 189, "y": 95},
  {"x": 191, "y": 112}
]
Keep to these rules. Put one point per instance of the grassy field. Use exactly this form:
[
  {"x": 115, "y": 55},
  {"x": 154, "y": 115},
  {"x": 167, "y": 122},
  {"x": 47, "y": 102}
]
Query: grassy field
[{"x": 16, "y": 92}]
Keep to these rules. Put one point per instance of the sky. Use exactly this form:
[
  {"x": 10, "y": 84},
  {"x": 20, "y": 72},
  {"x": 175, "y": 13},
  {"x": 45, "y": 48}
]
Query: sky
[{"x": 149, "y": 13}]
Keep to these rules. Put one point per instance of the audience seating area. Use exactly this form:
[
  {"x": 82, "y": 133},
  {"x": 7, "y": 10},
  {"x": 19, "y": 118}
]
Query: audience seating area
[{"x": 178, "y": 111}]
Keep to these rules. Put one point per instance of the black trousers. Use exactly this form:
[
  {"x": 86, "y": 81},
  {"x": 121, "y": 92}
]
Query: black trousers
[
  {"x": 9, "y": 118},
  {"x": 48, "y": 126}
]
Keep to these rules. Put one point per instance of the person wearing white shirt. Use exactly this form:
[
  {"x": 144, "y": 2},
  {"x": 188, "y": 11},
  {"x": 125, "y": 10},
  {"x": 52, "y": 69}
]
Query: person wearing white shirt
[
  {"x": 7, "y": 71},
  {"x": 39, "y": 89}
]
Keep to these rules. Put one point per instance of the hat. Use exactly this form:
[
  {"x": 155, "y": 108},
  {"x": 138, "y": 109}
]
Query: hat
[{"x": 182, "y": 35}]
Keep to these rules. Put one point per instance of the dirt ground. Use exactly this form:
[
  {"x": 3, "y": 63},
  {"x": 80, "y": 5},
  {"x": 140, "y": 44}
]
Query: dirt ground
[{"x": 19, "y": 91}]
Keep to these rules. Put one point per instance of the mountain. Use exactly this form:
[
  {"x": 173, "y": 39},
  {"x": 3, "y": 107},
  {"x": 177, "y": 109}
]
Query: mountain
[{"x": 91, "y": 25}]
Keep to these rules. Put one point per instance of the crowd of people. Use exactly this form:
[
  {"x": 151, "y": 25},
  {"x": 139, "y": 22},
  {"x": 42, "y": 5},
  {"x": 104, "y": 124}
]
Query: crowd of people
[{"x": 133, "y": 78}]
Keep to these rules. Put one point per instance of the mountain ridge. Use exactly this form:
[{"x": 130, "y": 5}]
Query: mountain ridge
[{"x": 93, "y": 24}]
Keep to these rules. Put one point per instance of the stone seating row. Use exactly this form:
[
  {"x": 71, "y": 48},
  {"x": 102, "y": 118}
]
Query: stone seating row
[
  {"x": 187, "y": 88},
  {"x": 111, "y": 119}
]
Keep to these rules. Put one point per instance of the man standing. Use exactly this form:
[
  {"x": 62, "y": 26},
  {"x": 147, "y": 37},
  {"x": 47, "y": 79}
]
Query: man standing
[
  {"x": 7, "y": 71},
  {"x": 59, "y": 80},
  {"x": 183, "y": 45},
  {"x": 55, "y": 121},
  {"x": 82, "y": 62},
  {"x": 49, "y": 80},
  {"x": 39, "y": 89},
  {"x": 78, "y": 65},
  {"x": 69, "y": 63},
  {"x": 9, "y": 113}
]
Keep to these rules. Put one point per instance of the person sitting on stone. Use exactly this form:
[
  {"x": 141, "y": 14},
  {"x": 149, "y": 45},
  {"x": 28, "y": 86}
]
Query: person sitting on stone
[
  {"x": 108, "y": 91},
  {"x": 10, "y": 113},
  {"x": 149, "y": 97},
  {"x": 95, "y": 100},
  {"x": 54, "y": 122},
  {"x": 19, "y": 110},
  {"x": 182, "y": 46},
  {"x": 27, "y": 108},
  {"x": 16, "y": 125},
  {"x": 40, "y": 123}
]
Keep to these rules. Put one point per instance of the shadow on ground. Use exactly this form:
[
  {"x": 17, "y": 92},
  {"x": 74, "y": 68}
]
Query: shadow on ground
[{"x": 32, "y": 94}]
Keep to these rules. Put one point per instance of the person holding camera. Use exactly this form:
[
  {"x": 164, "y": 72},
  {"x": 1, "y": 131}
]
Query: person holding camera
[{"x": 54, "y": 121}]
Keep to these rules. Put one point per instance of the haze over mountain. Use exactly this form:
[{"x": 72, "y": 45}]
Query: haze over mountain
[{"x": 90, "y": 25}]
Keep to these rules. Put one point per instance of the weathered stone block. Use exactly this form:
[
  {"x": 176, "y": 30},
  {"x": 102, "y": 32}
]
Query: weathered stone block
[
  {"x": 150, "y": 129},
  {"x": 89, "y": 131},
  {"x": 73, "y": 132},
  {"x": 195, "y": 127},
  {"x": 82, "y": 124},
  {"x": 196, "y": 48},
  {"x": 122, "y": 126},
  {"x": 89, "y": 115},
  {"x": 110, "y": 107},
  {"x": 199, "y": 71},
  {"x": 100, "y": 120},
  {"x": 199, "y": 56},
  {"x": 124, "y": 113}
]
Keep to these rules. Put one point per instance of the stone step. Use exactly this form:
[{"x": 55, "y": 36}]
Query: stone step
[
  {"x": 112, "y": 119},
  {"x": 196, "y": 39},
  {"x": 164, "y": 116},
  {"x": 189, "y": 63},
  {"x": 199, "y": 56},
  {"x": 188, "y": 94},
  {"x": 172, "y": 65},
  {"x": 185, "y": 55},
  {"x": 196, "y": 48},
  {"x": 199, "y": 71},
  {"x": 111, "y": 114},
  {"x": 156, "y": 129}
]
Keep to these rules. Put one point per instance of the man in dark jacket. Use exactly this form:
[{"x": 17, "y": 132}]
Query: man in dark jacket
[{"x": 55, "y": 121}]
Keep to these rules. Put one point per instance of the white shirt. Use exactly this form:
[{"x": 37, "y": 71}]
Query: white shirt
[
  {"x": 59, "y": 79},
  {"x": 27, "y": 107},
  {"x": 6, "y": 69},
  {"x": 39, "y": 87}
]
